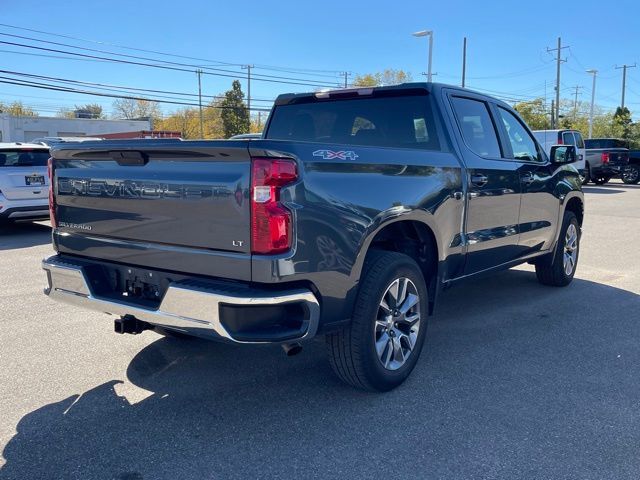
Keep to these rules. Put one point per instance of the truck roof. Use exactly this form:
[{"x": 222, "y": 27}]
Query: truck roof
[{"x": 433, "y": 87}]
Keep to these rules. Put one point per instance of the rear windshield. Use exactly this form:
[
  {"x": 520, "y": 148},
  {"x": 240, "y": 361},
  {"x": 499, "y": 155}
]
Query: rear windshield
[
  {"x": 391, "y": 121},
  {"x": 605, "y": 143},
  {"x": 24, "y": 158}
]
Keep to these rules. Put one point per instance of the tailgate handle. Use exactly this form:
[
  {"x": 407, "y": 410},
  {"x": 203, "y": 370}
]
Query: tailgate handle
[{"x": 129, "y": 157}]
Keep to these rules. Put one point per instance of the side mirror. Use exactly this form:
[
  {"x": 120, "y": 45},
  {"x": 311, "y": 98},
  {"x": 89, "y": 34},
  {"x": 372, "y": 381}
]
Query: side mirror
[{"x": 562, "y": 154}]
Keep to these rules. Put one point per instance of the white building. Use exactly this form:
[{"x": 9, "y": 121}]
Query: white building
[{"x": 25, "y": 129}]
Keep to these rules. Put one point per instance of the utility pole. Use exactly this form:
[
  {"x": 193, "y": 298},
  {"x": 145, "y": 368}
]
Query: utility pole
[
  {"x": 559, "y": 60},
  {"x": 553, "y": 122},
  {"x": 346, "y": 78},
  {"x": 248, "y": 68},
  {"x": 593, "y": 99},
  {"x": 575, "y": 102},
  {"x": 199, "y": 74},
  {"x": 464, "y": 60},
  {"x": 624, "y": 79}
]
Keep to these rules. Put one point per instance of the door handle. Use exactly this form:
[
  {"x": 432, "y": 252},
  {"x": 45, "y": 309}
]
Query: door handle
[
  {"x": 479, "y": 180},
  {"x": 527, "y": 178}
]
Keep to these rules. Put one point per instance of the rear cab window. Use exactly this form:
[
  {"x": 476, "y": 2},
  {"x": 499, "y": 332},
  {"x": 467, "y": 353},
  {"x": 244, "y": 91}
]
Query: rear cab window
[
  {"x": 24, "y": 157},
  {"x": 568, "y": 138},
  {"x": 389, "y": 119}
]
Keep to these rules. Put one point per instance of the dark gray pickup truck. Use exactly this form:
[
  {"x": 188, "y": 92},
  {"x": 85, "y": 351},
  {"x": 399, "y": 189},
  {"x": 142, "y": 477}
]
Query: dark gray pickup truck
[
  {"x": 346, "y": 220},
  {"x": 605, "y": 159}
]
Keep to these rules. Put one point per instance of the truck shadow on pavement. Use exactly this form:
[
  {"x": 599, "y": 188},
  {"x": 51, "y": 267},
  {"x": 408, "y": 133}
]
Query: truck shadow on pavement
[
  {"x": 23, "y": 235},
  {"x": 516, "y": 380}
]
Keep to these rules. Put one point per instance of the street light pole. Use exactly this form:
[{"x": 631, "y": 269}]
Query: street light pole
[
  {"x": 464, "y": 60},
  {"x": 593, "y": 98},
  {"x": 430, "y": 56},
  {"x": 424, "y": 33}
]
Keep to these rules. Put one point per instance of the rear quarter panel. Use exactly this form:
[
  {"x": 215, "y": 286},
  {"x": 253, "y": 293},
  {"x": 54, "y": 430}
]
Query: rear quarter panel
[{"x": 339, "y": 206}]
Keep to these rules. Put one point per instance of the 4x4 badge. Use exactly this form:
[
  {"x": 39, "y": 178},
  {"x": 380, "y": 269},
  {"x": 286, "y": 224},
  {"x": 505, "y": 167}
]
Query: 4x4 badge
[{"x": 340, "y": 155}]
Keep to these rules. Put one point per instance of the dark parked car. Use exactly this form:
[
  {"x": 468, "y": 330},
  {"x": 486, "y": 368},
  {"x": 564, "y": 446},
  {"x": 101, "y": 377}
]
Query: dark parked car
[
  {"x": 605, "y": 159},
  {"x": 347, "y": 219}
]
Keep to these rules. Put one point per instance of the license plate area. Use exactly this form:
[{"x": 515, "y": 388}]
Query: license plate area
[
  {"x": 34, "y": 180},
  {"x": 133, "y": 285}
]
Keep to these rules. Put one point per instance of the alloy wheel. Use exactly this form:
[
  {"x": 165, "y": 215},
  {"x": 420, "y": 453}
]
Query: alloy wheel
[
  {"x": 570, "y": 255},
  {"x": 631, "y": 174},
  {"x": 397, "y": 323}
]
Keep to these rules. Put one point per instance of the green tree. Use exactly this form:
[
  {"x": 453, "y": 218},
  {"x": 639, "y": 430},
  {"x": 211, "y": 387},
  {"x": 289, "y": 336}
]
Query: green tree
[
  {"x": 89, "y": 110},
  {"x": 130, "y": 109},
  {"x": 622, "y": 123},
  {"x": 187, "y": 121},
  {"x": 366, "y": 80},
  {"x": 65, "y": 113},
  {"x": 18, "y": 109},
  {"x": 386, "y": 77},
  {"x": 535, "y": 114},
  {"x": 235, "y": 115}
]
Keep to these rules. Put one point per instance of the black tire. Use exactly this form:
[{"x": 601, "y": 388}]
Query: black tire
[
  {"x": 550, "y": 270},
  {"x": 600, "y": 179},
  {"x": 631, "y": 174},
  {"x": 352, "y": 350},
  {"x": 587, "y": 174}
]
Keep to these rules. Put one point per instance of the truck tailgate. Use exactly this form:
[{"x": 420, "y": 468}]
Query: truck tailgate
[{"x": 165, "y": 197}]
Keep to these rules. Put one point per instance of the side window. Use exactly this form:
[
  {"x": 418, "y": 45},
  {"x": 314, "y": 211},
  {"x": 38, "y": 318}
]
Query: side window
[
  {"x": 522, "y": 144},
  {"x": 579, "y": 140},
  {"x": 567, "y": 138},
  {"x": 477, "y": 128}
]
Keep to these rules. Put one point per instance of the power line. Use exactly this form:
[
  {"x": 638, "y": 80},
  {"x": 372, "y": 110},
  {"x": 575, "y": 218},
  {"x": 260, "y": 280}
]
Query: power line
[
  {"x": 302, "y": 71},
  {"x": 45, "y": 86},
  {"x": 169, "y": 66},
  {"x": 136, "y": 57},
  {"x": 517, "y": 73},
  {"x": 117, "y": 87},
  {"x": 511, "y": 96}
]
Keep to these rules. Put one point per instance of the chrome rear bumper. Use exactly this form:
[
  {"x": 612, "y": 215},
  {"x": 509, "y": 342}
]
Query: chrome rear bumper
[{"x": 189, "y": 307}]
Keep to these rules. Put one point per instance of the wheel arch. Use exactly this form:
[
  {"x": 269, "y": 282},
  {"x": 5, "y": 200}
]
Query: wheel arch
[
  {"x": 575, "y": 204},
  {"x": 412, "y": 236}
]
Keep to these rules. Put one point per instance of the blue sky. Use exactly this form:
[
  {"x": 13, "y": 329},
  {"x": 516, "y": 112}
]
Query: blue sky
[{"x": 506, "y": 44}]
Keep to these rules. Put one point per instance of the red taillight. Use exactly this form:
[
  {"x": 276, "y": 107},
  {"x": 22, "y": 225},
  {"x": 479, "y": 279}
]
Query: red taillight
[
  {"x": 52, "y": 200},
  {"x": 605, "y": 157},
  {"x": 560, "y": 142},
  {"x": 270, "y": 221}
]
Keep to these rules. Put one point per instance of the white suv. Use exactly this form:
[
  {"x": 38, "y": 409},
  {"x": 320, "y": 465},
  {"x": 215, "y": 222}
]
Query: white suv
[
  {"x": 24, "y": 186},
  {"x": 549, "y": 138}
]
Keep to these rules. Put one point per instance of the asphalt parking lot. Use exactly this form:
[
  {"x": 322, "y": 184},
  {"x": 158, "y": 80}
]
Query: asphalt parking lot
[{"x": 517, "y": 381}]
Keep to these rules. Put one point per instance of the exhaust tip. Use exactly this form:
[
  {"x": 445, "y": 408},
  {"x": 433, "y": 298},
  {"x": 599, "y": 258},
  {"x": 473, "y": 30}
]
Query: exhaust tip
[{"x": 291, "y": 349}]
